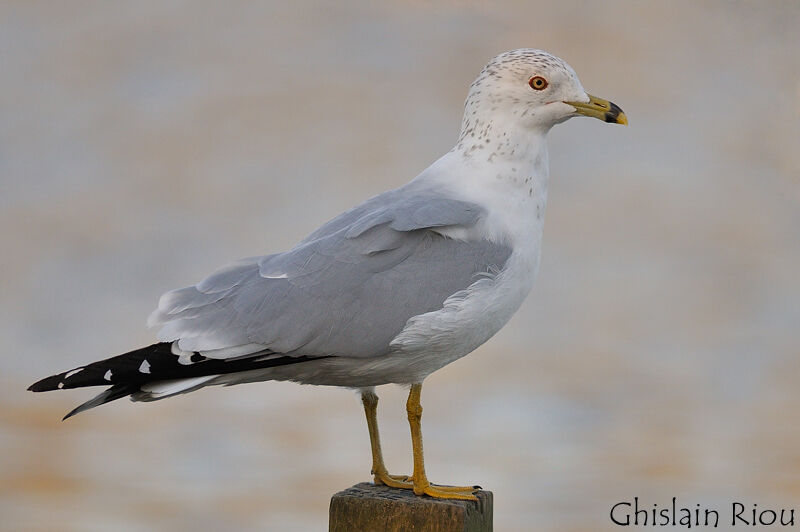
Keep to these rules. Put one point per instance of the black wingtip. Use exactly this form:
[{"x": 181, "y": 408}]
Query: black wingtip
[
  {"x": 117, "y": 391},
  {"x": 70, "y": 414},
  {"x": 47, "y": 384}
]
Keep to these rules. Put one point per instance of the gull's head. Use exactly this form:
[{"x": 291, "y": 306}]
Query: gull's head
[{"x": 535, "y": 90}]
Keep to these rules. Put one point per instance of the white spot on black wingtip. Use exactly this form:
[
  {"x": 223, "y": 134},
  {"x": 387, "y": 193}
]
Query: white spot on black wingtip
[
  {"x": 60, "y": 385},
  {"x": 185, "y": 358},
  {"x": 73, "y": 372},
  {"x": 145, "y": 367},
  {"x": 107, "y": 376}
]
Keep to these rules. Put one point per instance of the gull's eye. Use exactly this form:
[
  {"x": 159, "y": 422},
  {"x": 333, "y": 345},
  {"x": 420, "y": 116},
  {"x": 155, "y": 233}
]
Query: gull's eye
[{"x": 537, "y": 83}]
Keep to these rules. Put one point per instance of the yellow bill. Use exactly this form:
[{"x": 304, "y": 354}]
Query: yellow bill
[{"x": 600, "y": 109}]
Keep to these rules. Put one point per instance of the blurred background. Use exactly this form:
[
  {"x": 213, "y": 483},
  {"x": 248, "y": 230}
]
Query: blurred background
[{"x": 143, "y": 144}]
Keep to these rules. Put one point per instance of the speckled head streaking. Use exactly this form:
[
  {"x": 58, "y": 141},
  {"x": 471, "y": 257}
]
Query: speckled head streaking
[{"x": 530, "y": 89}]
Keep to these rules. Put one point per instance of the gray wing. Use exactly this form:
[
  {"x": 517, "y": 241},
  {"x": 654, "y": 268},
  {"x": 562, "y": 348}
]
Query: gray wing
[{"x": 348, "y": 289}]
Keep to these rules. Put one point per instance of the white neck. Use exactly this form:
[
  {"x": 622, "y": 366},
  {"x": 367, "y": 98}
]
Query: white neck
[{"x": 507, "y": 175}]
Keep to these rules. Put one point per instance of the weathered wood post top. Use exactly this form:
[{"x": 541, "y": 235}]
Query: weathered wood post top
[{"x": 368, "y": 507}]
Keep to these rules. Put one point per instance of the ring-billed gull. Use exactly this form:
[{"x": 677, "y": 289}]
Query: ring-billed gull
[{"x": 387, "y": 292}]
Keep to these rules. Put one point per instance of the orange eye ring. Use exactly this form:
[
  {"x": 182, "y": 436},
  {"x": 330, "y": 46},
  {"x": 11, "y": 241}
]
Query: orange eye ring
[{"x": 538, "y": 83}]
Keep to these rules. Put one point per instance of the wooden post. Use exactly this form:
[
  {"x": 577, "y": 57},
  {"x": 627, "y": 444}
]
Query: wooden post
[{"x": 367, "y": 507}]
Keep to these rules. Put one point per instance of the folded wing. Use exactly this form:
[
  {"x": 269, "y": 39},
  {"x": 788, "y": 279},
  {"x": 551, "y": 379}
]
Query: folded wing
[{"x": 346, "y": 290}]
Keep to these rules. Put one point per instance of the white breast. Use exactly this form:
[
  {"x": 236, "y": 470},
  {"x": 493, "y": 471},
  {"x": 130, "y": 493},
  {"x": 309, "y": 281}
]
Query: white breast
[{"x": 515, "y": 202}]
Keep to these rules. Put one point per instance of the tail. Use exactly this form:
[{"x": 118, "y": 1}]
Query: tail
[{"x": 155, "y": 372}]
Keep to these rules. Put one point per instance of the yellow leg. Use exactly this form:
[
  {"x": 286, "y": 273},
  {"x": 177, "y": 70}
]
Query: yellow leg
[
  {"x": 379, "y": 472},
  {"x": 420, "y": 481}
]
